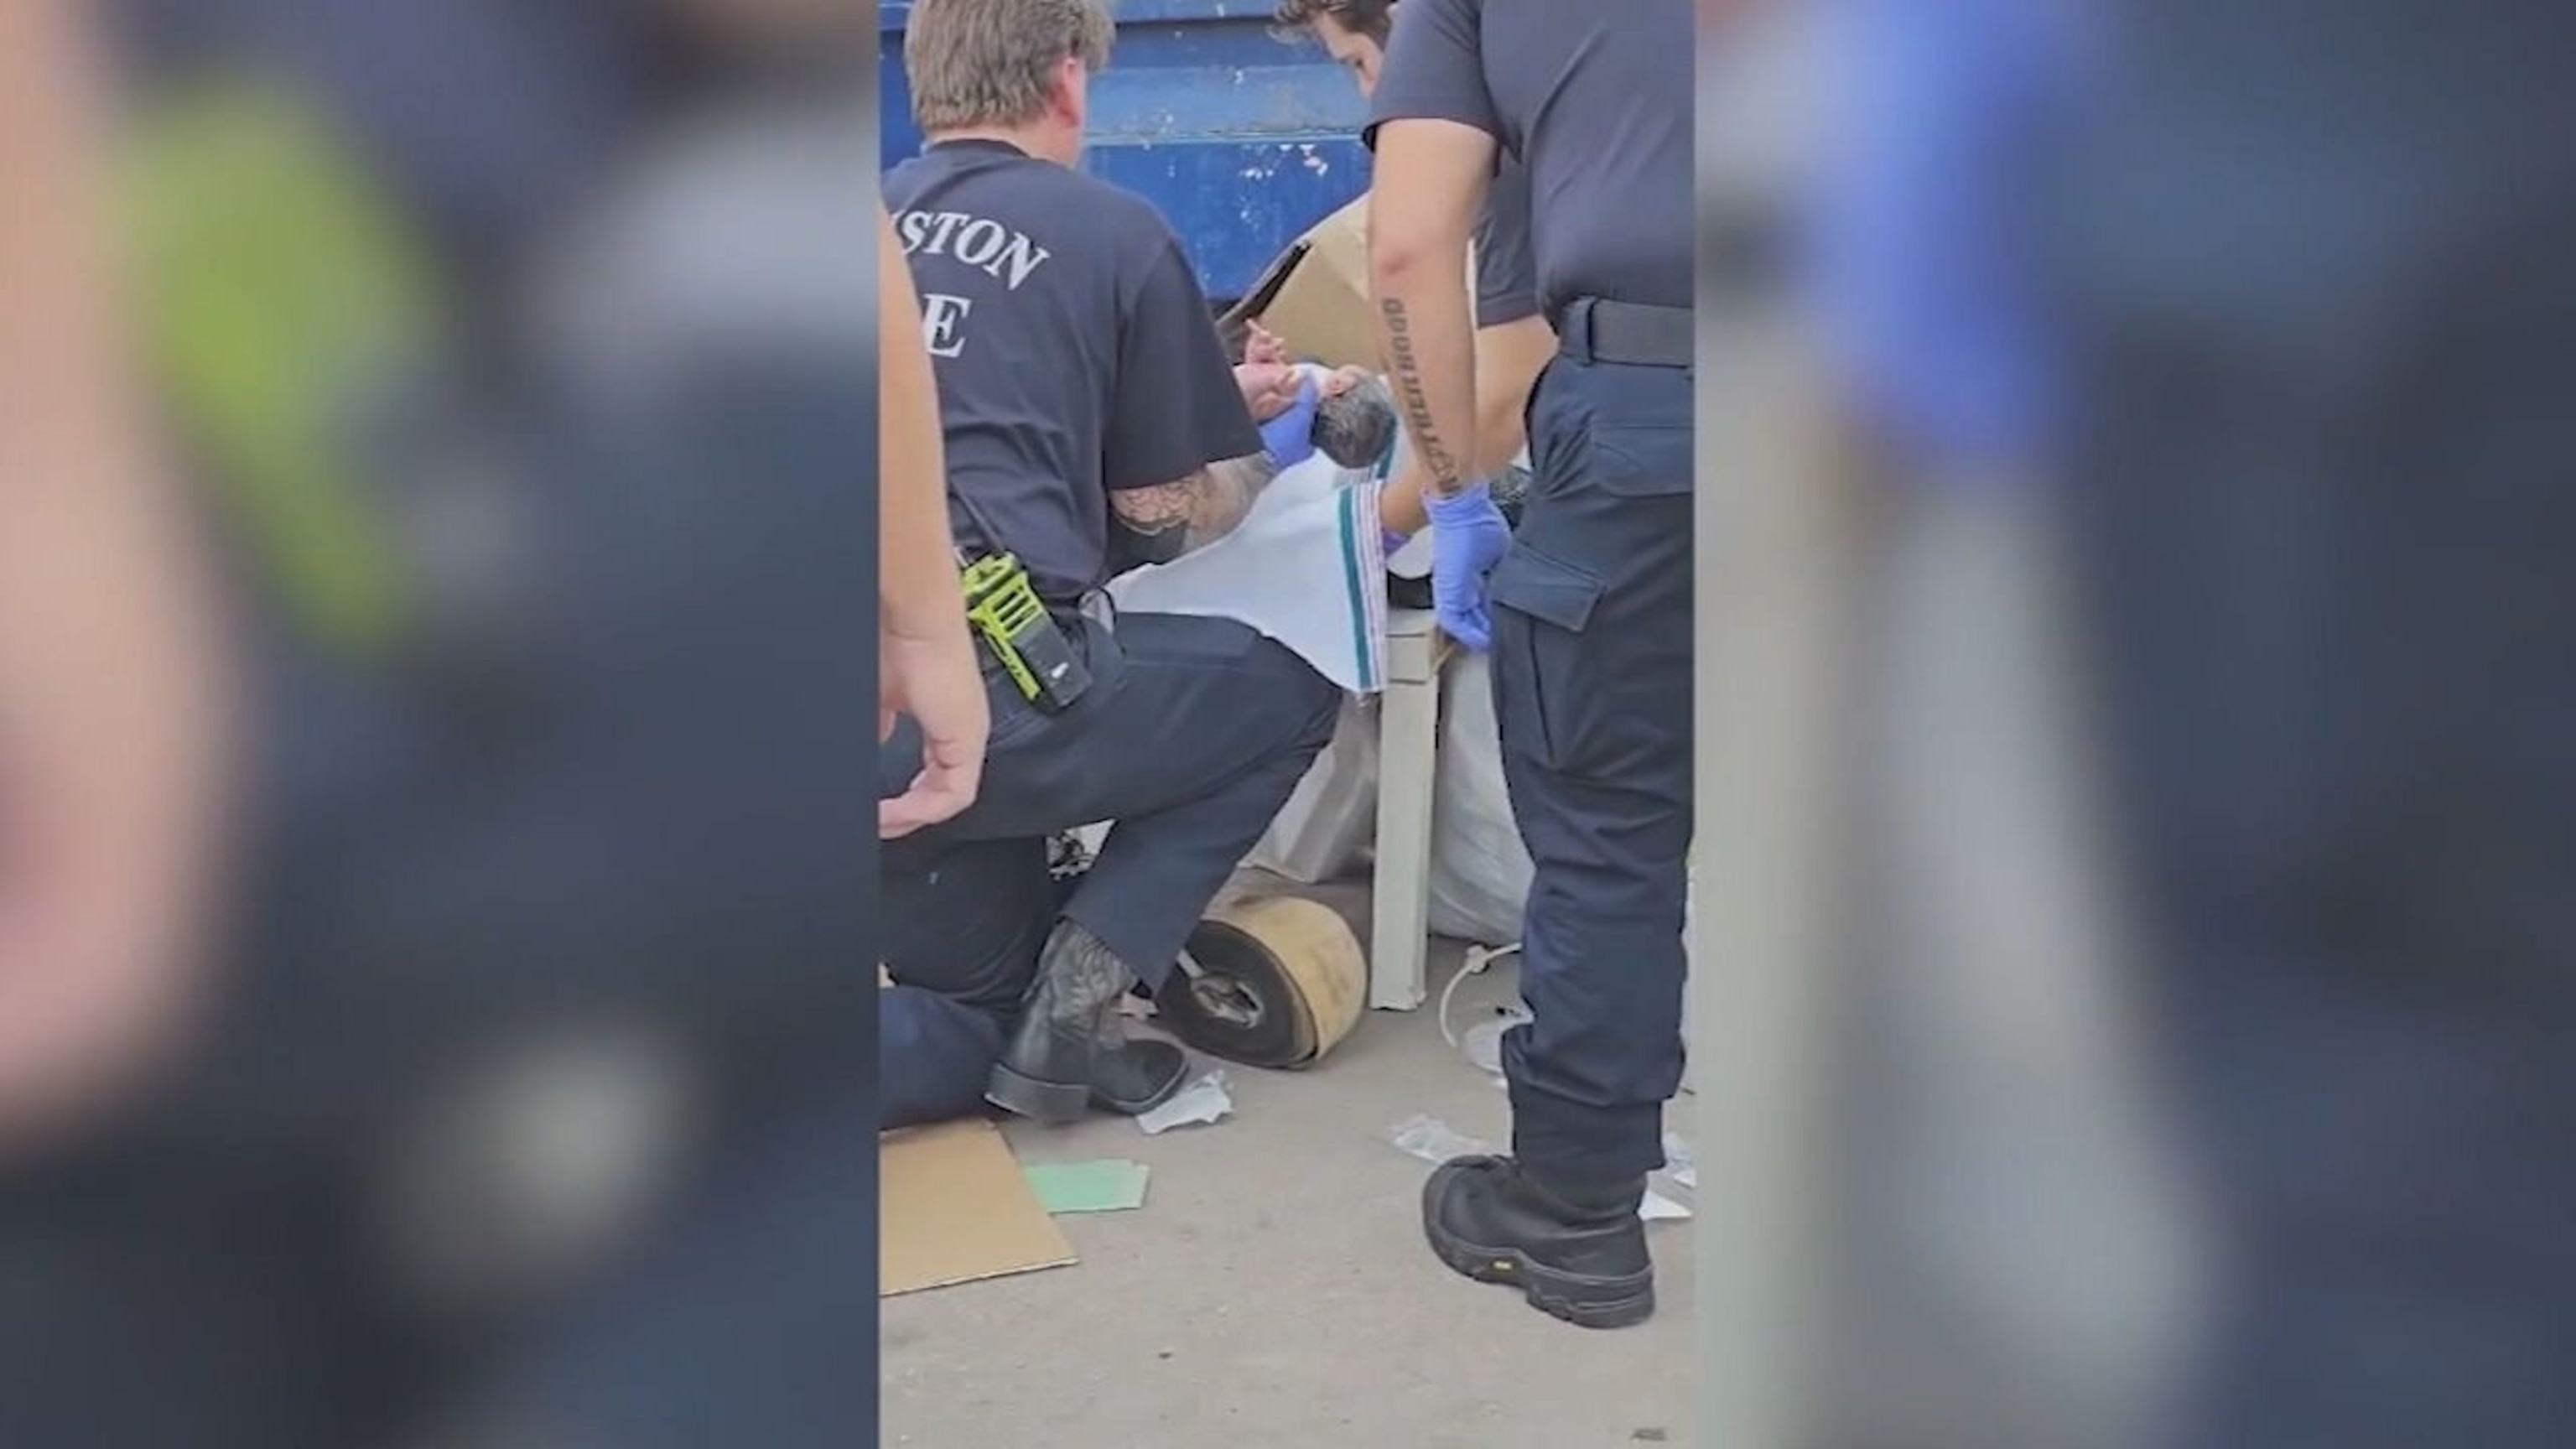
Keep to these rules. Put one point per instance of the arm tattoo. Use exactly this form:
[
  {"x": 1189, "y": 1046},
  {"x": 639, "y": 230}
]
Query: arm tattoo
[
  {"x": 1438, "y": 464},
  {"x": 1205, "y": 506}
]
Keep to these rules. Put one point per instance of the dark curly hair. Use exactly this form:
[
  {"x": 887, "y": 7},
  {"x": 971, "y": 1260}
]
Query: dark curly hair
[{"x": 1374, "y": 19}]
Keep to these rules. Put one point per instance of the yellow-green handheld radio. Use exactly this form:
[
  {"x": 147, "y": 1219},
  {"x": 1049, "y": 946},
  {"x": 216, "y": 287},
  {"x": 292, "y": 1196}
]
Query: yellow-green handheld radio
[{"x": 1028, "y": 642}]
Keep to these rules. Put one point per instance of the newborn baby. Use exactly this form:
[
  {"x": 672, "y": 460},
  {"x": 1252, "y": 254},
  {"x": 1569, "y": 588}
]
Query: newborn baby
[
  {"x": 1355, "y": 418},
  {"x": 1354, "y": 412}
]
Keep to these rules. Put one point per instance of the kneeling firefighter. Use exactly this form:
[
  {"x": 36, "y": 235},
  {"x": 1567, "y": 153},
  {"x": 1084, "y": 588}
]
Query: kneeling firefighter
[{"x": 1091, "y": 422}]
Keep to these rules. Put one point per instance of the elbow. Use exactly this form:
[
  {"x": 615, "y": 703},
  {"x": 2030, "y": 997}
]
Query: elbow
[
  {"x": 1399, "y": 273},
  {"x": 1402, "y": 259},
  {"x": 1392, "y": 260}
]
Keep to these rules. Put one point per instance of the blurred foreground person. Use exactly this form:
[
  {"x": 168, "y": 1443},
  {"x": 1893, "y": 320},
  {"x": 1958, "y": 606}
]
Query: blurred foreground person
[
  {"x": 1591, "y": 598},
  {"x": 925, "y": 657},
  {"x": 2010, "y": 1264},
  {"x": 2326, "y": 341},
  {"x": 523, "y": 1111},
  {"x": 115, "y": 685},
  {"x": 934, "y": 1049}
]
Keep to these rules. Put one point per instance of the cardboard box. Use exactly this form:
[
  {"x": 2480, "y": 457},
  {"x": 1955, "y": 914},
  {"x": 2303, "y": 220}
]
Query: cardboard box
[
  {"x": 954, "y": 1207},
  {"x": 1315, "y": 295}
]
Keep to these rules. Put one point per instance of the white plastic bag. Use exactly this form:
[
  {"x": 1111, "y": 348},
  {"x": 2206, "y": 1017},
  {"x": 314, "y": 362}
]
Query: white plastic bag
[
  {"x": 1326, "y": 828},
  {"x": 1480, "y": 872}
]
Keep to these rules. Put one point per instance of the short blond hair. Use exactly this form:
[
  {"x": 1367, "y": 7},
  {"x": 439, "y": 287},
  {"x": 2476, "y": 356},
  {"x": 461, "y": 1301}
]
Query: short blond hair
[{"x": 993, "y": 62}]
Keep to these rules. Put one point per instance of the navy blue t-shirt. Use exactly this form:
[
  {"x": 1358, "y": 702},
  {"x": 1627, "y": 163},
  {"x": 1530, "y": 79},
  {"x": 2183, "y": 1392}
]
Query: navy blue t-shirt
[
  {"x": 1076, "y": 354},
  {"x": 1506, "y": 272},
  {"x": 1596, "y": 101}
]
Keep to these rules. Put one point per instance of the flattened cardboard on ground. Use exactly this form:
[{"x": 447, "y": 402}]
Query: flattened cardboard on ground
[
  {"x": 954, "y": 1207},
  {"x": 1315, "y": 296}
]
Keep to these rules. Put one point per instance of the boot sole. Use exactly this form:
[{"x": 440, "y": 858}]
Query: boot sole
[
  {"x": 1582, "y": 1299},
  {"x": 1059, "y": 1104},
  {"x": 1162, "y": 1094},
  {"x": 1056, "y": 1104}
]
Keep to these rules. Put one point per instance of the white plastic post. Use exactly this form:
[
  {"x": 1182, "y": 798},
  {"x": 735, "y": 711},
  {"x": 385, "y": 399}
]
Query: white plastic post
[{"x": 1408, "y": 760}]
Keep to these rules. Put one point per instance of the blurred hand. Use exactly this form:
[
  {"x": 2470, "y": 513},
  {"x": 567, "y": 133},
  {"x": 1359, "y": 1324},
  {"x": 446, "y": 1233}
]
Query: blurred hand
[
  {"x": 934, "y": 679},
  {"x": 90, "y": 1004}
]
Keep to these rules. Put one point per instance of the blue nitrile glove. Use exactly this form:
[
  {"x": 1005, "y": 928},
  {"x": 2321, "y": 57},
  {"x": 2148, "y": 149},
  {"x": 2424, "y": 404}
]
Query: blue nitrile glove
[
  {"x": 1391, "y": 542},
  {"x": 1290, "y": 437},
  {"x": 1468, "y": 537}
]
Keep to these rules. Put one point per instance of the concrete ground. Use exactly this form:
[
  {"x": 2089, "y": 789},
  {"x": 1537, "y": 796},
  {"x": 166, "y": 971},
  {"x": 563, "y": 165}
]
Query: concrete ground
[{"x": 1274, "y": 1291}]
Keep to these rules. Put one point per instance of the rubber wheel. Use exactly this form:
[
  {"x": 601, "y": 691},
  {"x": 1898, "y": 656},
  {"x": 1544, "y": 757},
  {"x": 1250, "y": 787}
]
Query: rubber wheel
[{"x": 1281, "y": 981}]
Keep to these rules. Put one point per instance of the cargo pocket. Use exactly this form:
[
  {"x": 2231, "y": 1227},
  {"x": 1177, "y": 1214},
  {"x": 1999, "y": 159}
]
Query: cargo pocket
[
  {"x": 1541, "y": 607},
  {"x": 1642, "y": 460}
]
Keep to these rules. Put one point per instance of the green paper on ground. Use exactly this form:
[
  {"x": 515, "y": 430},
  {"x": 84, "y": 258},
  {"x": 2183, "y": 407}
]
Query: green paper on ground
[{"x": 1108, "y": 1186}]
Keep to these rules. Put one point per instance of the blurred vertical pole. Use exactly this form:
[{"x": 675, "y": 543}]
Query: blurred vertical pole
[{"x": 1776, "y": 563}]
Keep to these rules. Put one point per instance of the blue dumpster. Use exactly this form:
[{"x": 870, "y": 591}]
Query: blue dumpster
[{"x": 1242, "y": 138}]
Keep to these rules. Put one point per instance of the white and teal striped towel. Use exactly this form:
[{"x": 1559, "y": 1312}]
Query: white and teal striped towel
[{"x": 1307, "y": 567}]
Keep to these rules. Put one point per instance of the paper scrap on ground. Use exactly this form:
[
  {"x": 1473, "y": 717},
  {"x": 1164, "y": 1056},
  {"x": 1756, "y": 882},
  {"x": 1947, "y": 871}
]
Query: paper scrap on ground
[
  {"x": 1483, "y": 1042},
  {"x": 1205, "y": 1100},
  {"x": 1087, "y": 1187},
  {"x": 1432, "y": 1140},
  {"x": 1436, "y": 1141},
  {"x": 1680, "y": 1166}
]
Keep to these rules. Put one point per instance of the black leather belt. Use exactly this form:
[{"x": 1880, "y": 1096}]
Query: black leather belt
[{"x": 1629, "y": 334}]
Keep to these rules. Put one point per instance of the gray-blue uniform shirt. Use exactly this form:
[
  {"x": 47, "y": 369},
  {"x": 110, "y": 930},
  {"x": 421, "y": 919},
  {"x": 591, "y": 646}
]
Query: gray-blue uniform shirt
[
  {"x": 1596, "y": 102},
  {"x": 1506, "y": 273},
  {"x": 1076, "y": 354}
]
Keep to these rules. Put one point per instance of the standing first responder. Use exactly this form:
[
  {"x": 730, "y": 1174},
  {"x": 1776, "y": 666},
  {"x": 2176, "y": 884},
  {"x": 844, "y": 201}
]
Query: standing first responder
[
  {"x": 1092, "y": 422},
  {"x": 1590, "y": 604},
  {"x": 1512, "y": 340}
]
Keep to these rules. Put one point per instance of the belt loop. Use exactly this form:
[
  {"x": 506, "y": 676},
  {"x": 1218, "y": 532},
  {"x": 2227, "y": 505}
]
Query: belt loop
[{"x": 1574, "y": 334}]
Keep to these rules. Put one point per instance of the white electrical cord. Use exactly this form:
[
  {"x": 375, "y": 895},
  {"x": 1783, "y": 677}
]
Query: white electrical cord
[{"x": 1479, "y": 960}]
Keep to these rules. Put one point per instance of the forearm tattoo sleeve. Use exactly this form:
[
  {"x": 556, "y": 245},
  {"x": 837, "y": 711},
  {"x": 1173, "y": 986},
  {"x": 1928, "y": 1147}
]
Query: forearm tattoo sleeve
[{"x": 1203, "y": 507}]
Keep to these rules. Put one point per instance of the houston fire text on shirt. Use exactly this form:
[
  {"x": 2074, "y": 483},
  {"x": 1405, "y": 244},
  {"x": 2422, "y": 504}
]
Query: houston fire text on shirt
[{"x": 1009, "y": 257}]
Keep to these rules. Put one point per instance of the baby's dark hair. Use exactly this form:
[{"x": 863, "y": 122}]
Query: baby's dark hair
[{"x": 1356, "y": 428}]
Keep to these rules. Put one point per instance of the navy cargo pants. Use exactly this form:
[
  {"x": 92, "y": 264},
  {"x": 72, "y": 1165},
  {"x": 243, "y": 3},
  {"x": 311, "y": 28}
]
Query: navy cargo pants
[
  {"x": 1193, "y": 735},
  {"x": 1592, "y": 685}
]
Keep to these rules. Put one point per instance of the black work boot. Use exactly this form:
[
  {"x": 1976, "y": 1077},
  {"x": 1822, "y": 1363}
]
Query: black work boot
[
  {"x": 1577, "y": 1254},
  {"x": 1069, "y": 1052}
]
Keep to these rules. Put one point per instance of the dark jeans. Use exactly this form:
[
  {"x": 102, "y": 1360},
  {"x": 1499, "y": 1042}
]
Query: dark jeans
[
  {"x": 963, "y": 927},
  {"x": 1193, "y": 734},
  {"x": 1592, "y": 686}
]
